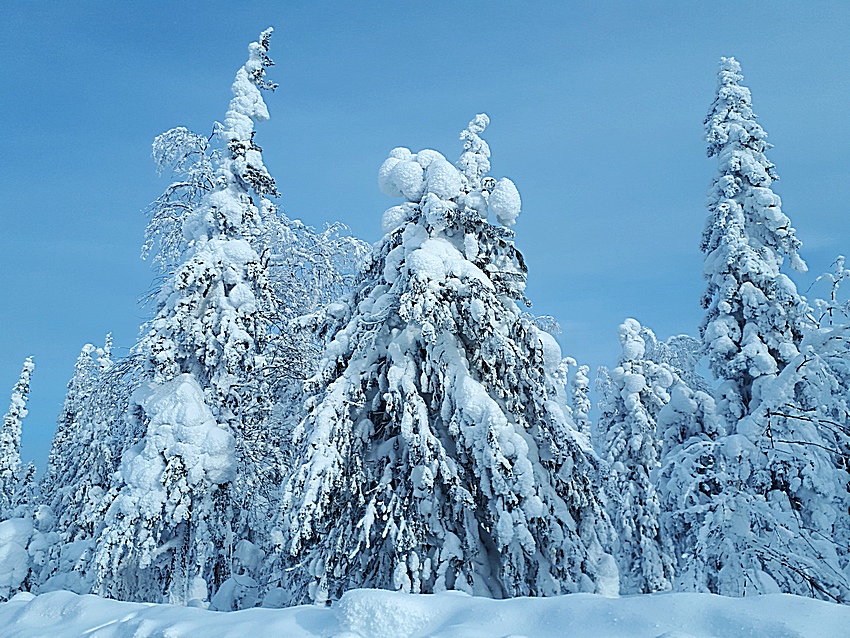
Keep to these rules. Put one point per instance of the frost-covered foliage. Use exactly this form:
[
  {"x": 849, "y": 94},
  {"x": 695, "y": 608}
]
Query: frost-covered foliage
[
  {"x": 170, "y": 519},
  {"x": 579, "y": 387},
  {"x": 307, "y": 270},
  {"x": 682, "y": 353},
  {"x": 753, "y": 502},
  {"x": 16, "y": 480},
  {"x": 633, "y": 394},
  {"x": 746, "y": 518},
  {"x": 437, "y": 451},
  {"x": 203, "y": 351},
  {"x": 188, "y": 156},
  {"x": 802, "y": 427},
  {"x": 755, "y": 319},
  {"x": 310, "y": 269},
  {"x": 91, "y": 435},
  {"x": 835, "y": 310}
]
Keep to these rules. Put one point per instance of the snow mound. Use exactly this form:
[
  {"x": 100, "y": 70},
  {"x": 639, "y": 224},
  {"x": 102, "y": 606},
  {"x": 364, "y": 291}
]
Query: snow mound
[
  {"x": 382, "y": 614},
  {"x": 363, "y": 613},
  {"x": 15, "y": 534}
]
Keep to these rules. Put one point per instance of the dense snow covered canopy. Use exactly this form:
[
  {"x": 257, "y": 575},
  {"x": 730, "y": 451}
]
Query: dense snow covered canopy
[
  {"x": 755, "y": 318},
  {"x": 295, "y": 424},
  {"x": 438, "y": 452},
  {"x": 634, "y": 393}
]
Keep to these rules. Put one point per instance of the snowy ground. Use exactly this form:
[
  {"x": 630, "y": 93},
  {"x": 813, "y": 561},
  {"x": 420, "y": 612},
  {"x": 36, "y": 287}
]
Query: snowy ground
[{"x": 381, "y": 614}]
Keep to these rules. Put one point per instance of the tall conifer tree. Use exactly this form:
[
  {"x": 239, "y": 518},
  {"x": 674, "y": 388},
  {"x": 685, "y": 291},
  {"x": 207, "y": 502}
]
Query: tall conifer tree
[
  {"x": 754, "y": 317},
  {"x": 16, "y": 480},
  {"x": 179, "y": 512},
  {"x": 438, "y": 452},
  {"x": 634, "y": 393},
  {"x": 752, "y": 502}
]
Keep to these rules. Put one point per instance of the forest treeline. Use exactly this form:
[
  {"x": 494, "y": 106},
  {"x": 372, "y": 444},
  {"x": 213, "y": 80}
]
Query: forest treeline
[{"x": 306, "y": 414}]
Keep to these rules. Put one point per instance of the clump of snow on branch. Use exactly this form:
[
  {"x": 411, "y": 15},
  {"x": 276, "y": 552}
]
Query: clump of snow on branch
[{"x": 411, "y": 175}]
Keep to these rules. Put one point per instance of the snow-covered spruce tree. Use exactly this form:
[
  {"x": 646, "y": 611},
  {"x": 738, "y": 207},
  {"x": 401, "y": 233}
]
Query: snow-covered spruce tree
[
  {"x": 754, "y": 317},
  {"x": 16, "y": 479},
  {"x": 752, "y": 503},
  {"x": 579, "y": 391},
  {"x": 16, "y": 493},
  {"x": 807, "y": 412},
  {"x": 80, "y": 389},
  {"x": 90, "y": 437},
  {"x": 182, "y": 504},
  {"x": 783, "y": 463},
  {"x": 690, "y": 486},
  {"x": 437, "y": 450},
  {"x": 304, "y": 269},
  {"x": 633, "y": 394}
]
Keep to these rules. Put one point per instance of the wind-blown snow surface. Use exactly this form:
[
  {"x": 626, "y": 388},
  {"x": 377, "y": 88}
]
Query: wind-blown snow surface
[{"x": 382, "y": 614}]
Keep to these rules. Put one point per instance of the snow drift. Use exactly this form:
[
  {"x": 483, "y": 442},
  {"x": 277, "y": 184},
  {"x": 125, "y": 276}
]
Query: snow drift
[{"x": 367, "y": 613}]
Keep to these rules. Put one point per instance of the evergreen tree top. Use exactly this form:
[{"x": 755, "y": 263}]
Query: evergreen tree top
[
  {"x": 745, "y": 174},
  {"x": 10, "y": 433},
  {"x": 731, "y": 117},
  {"x": 446, "y": 194}
]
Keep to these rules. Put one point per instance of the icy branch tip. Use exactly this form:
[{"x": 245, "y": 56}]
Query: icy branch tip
[
  {"x": 479, "y": 123},
  {"x": 265, "y": 36}
]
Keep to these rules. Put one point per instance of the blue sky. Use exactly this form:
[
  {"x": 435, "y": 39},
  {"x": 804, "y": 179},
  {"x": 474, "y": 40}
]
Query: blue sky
[{"x": 596, "y": 113}]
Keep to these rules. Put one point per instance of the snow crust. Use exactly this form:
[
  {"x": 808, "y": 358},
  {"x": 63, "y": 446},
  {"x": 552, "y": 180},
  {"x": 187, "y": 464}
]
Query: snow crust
[{"x": 381, "y": 614}]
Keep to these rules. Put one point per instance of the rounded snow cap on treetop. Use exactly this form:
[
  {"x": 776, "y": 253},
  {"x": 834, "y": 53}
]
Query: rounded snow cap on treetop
[
  {"x": 428, "y": 175},
  {"x": 730, "y": 71},
  {"x": 631, "y": 340},
  {"x": 411, "y": 175}
]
